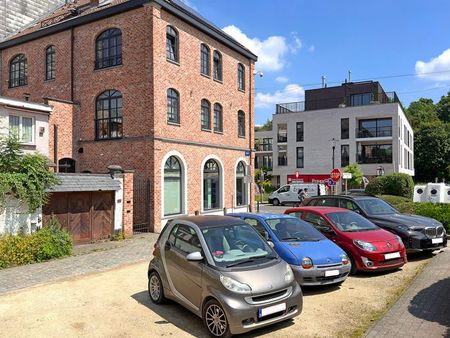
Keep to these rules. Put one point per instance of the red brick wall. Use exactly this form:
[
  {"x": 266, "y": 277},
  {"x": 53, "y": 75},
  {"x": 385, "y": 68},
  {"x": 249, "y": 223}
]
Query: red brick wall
[{"x": 143, "y": 80}]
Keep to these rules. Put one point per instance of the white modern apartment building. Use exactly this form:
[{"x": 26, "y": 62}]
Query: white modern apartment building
[
  {"x": 336, "y": 126},
  {"x": 28, "y": 120}
]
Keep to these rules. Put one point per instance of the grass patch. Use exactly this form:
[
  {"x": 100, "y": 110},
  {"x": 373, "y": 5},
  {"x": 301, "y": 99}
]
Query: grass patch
[{"x": 375, "y": 315}]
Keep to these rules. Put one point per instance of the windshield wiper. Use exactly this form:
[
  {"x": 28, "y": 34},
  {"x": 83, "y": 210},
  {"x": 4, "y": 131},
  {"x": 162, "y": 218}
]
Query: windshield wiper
[
  {"x": 292, "y": 239},
  {"x": 250, "y": 260}
]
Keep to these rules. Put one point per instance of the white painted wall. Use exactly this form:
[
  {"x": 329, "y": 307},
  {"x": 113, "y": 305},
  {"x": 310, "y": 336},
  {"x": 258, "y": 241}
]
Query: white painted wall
[
  {"x": 40, "y": 122},
  {"x": 14, "y": 218},
  {"x": 118, "y": 208}
]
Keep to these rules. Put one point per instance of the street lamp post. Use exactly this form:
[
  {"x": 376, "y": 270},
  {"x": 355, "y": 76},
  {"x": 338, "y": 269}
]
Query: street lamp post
[{"x": 333, "y": 147}]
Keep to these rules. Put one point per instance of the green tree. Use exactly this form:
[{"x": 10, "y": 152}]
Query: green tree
[
  {"x": 432, "y": 151},
  {"x": 266, "y": 126},
  {"x": 443, "y": 108},
  {"x": 357, "y": 175},
  {"x": 421, "y": 111},
  {"x": 25, "y": 176}
]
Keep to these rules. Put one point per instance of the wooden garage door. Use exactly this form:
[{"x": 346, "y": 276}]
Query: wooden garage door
[{"x": 87, "y": 216}]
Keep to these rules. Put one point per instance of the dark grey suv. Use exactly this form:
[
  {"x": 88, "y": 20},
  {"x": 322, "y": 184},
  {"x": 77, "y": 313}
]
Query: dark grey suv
[
  {"x": 417, "y": 232},
  {"x": 222, "y": 270}
]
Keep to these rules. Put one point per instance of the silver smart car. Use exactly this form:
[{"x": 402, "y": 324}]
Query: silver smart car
[{"x": 222, "y": 270}]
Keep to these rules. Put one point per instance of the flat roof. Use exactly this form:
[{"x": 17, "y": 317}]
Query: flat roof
[{"x": 7, "y": 101}]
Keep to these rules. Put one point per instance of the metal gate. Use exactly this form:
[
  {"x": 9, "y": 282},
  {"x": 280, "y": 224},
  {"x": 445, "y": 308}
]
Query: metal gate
[{"x": 141, "y": 204}]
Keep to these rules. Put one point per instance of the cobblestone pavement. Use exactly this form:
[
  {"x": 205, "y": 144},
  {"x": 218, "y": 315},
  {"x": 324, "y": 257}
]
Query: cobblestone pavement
[
  {"x": 88, "y": 258},
  {"x": 424, "y": 309}
]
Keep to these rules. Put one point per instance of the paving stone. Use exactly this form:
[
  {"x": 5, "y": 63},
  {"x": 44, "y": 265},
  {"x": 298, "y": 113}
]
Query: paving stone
[
  {"x": 424, "y": 309},
  {"x": 91, "y": 258}
]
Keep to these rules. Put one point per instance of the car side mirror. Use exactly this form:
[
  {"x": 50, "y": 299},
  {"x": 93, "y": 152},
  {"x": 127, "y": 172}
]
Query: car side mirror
[
  {"x": 270, "y": 243},
  {"x": 194, "y": 256}
]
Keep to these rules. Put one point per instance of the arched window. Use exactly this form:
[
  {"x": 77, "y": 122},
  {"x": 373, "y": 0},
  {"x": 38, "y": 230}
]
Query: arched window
[
  {"x": 205, "y": 63},
  {"x": 173, "y": 106},
  {"x": 217, "y": 59},
  {"x": 18, "y": 71},
  {"x": 172, "y": 44},
  {"x": 241, "y": 76},
  {"x": 218, "y": 118},
  {"x": 66, "y": 165},
  {"x": 50, "y": 63},
  {"x": 211, "y": 185},
  {"x": 108, "y": 49},
  {"x": 241, "y": 186},
  {"x": 173, "y": 187},
  {"x": 108, "y": 116},
  {"x": 241, "y": 123},
  {"x": 206, "y": 115}
]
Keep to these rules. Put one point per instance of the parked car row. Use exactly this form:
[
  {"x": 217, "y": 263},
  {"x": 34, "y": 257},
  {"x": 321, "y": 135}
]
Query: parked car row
[{"x": 244, "y": 271}]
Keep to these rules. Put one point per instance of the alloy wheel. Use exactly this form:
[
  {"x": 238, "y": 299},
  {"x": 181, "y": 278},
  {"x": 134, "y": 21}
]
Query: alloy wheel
[
  {"x": 155, "y": 287},
  {"x": 216, "y": 320}
]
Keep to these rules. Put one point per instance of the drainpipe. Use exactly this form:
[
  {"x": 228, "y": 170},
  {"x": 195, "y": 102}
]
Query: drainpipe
[
  {"x": 55, "y": 146},
  {"x": 72, "y": 38}
]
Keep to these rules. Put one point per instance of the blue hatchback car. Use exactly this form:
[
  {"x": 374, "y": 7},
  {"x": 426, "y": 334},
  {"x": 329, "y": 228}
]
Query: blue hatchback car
[{"x": 314, "y": 259}]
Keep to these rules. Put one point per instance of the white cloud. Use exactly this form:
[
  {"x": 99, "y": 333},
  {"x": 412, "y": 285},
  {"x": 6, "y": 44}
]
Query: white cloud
[
  {"x": 282, "y": 79},
  {"x": 291, "y": 93},
  {"x": 271, "y": 52},
  {"x": 437, "y": 64},
  {"x": 311, "y": 49}
]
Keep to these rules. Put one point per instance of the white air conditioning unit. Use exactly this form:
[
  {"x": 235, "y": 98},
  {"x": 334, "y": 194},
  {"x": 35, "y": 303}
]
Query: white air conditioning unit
[
  {"x": 447, "y": 194},
  {"x": 435, "y": 192},
  {"x": 420, "y": 192}
]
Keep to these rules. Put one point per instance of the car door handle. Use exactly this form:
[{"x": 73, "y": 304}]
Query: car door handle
[{"x": 167, "y": 246}]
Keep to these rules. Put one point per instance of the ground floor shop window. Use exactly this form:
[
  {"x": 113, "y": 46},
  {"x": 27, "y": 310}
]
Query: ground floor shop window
[
  {"x": 211, "y": 185},
  {"x": 173, "y": 189},
  {"x": 241, "y": 186}
]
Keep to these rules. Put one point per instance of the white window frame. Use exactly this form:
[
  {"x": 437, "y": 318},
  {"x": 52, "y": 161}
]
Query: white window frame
[{"x": 33, "y": 124}]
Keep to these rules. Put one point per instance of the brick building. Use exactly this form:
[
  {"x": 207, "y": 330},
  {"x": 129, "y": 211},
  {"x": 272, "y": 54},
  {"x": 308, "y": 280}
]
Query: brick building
[{"x": 149, "y": 85}]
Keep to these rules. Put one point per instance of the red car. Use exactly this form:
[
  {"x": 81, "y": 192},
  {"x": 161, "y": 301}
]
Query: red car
[{"x": 368, "y": 246}]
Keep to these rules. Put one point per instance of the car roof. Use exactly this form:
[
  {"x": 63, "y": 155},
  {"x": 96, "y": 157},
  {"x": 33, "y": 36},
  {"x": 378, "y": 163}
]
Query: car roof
[
  {"x": 321, "y": 210},
  {"x": 263, "y": 216},
  {"x": 351, "y": 196},
  {"x": 209, "y": 221}
]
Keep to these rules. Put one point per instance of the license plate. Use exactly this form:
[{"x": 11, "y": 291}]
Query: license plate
[
  {"x": 271, "y": 309},
  {"x": 437, "y": 240},
  {"x": 392, "y": 255},
  {"x": 330, "y": 273}
]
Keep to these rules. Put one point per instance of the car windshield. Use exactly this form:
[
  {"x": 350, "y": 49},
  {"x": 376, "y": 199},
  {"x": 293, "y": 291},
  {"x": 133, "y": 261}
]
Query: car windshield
[
  {"x": 350, "y": 222},
  {"x": 237, "y": 244},
  {"x": 375, "y": 206},
  {"x": 293, "y": 229}
]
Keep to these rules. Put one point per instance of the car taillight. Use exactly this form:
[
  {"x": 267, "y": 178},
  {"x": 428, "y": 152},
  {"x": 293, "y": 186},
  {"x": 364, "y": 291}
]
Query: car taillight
[{"x": 155, "y": 246}]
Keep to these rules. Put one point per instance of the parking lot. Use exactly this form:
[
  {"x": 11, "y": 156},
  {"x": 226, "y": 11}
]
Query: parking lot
[{"x": 115, "y": 303}]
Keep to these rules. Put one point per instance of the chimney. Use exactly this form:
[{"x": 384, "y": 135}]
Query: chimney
[{"x": 94, "y": 3}]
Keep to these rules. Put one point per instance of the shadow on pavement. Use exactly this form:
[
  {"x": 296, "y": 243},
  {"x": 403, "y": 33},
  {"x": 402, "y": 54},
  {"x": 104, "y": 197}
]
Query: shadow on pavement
[
  {"x": 318, "y": 290},
  {"x": 173, "y": 313},
  {"x": 433, "y": 304}
]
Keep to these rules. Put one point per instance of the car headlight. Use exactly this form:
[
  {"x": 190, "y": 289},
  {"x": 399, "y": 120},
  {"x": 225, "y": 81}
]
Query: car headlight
[
  {"x": 307, "y": 263},
  {"x": 344, "y": 259},
  {"x": 364, "y": 245},
  {"x": 405, "y": 227},
  {"x": 289, "y": 274},
  {"x": 234, "y": 286},
  {"x": 400, "y": 241}
]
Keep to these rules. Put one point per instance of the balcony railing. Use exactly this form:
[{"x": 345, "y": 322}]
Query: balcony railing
[
  {"x": 334, "y": 102},
  {"x": 374, "y": 132},
  {"x": 370, "y": 160},
  {"x": 263, "y": 147}
]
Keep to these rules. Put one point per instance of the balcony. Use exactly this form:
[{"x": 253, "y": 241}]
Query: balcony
[
  {"x": 374, "y": 132},
  {"x": 335, "y": 102},
  {"x": 372, "y": 160}
]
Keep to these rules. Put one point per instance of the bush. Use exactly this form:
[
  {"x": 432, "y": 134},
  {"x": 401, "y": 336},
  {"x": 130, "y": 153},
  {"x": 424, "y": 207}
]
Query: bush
[
  {"x": 44, "y": 244},
  {"x": 394, "y": 184}
]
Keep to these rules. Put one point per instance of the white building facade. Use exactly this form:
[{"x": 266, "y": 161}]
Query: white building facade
[{"x": 367, "y": 128}]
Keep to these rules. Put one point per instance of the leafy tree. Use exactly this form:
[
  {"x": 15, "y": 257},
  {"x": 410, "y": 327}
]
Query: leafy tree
[
  {"x": 266, "y": 184},
  {"x": 266, "y": 126},
  {"x": 25, "y": 176},
  {"x": 432, "y": 151},
  {"x": 357, "y": 175},
  {"x": 443, "y": 108},
  {"x": 421, "y": 111}
]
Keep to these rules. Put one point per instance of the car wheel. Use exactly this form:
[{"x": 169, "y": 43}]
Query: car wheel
[
  {"x": 155, "y": 288},
  {"x": 354, "y": 268},
  {"x": 215, "y": 319},
  {"x": 276, "y": 202}
]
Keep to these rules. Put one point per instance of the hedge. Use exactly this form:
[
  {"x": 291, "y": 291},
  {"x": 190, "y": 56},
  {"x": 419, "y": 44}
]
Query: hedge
[
  {"x": 44, "y": 244},
  {"x": 438, "y": 211},
  {"x": 396, "y": 184}
]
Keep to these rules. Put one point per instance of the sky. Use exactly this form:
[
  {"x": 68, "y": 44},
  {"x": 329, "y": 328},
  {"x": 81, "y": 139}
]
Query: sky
[{"x": 299, "y": 41}]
